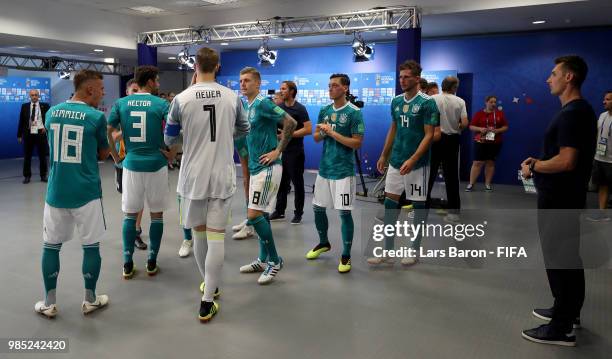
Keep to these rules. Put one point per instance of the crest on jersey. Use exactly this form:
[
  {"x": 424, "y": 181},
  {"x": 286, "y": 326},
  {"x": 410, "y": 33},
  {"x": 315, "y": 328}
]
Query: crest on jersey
[
  {"x": 333, "y": 117},
  {"x": 416, "y": 108},
  {"x": 343, "y": 119},
  {"x": 405, "y": 108}
]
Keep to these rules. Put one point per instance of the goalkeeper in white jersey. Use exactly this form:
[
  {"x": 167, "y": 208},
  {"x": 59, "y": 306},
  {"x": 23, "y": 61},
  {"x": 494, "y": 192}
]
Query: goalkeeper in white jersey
[{"x": 210, "y": 116}]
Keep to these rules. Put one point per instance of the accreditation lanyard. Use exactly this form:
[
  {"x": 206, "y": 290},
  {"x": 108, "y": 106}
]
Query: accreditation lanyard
[
  {"x": 602, "y": 145},
  {"x": 494, "y": 120}
]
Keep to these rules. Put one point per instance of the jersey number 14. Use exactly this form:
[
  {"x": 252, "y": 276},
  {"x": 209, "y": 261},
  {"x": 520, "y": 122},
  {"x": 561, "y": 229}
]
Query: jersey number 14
[{"x": 66, "y": 143}]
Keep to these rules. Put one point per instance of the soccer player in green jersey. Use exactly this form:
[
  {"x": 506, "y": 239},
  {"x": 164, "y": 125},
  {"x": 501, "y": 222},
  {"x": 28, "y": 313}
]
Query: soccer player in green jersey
[
  {"x": 264, "y": 150},
  {"x": 145, "y": 173},
  {"x": 406, "y": 153},
  {"x": 243, "y": 229},
  {"x": 77, "y": 139},
  {"x": 340, "y": 127}
]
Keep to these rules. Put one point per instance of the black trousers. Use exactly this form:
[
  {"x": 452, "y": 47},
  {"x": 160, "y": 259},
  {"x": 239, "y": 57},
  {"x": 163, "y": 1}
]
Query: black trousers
[
  {"x": 446, "y": 153},
  {"x": 293, "y": 172},
  {"x": 38, "y": 141},
  {"x": 559, "y": 229}
]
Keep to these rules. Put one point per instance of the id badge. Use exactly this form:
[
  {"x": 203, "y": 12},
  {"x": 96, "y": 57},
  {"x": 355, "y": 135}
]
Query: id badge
[
  {"x": 602, "y": 147},
  {"x": 490, "y": 136}
]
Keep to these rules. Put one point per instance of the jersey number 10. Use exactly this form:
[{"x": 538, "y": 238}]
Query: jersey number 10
[{"x": 67, "y": 142}]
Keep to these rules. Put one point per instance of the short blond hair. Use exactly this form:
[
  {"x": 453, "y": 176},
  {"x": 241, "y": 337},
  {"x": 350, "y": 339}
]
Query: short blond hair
[{"x": 251, "y": 70}]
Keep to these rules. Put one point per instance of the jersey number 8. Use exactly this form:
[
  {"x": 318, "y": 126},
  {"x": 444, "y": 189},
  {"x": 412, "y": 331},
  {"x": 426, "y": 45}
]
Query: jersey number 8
[{"x": 67, "y": 142}]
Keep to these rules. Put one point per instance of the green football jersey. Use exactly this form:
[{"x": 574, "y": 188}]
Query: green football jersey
[
  {"x": 140, "y": 117},
  {"x": 241, "y": 147},
  {"x": 410, "y": 117},
  {"x": 76, "y": 131},
  {"x": 264, "y": 115},
  {"x": 338, "y": 160}
]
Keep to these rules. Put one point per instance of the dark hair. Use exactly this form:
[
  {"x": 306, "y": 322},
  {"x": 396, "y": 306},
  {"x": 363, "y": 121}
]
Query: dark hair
[
  {"x": 207, "y": 60},
  {"x": 144, "y": 74},
  {"x": 344, "y": 79},
  {"x": 490, "y": 97},
  {"x": 450, "y": 83},
  {"x": 607, "y": 92},
  {"x": 251, "y": 70},
  {"x": 292, "y": 88},
  {"x": 431, "y": 85},
  {"x": 423, "y": 83},
  {"x": 576, "y": 65},
  {"x": 413, "y": 66},
  {"x": 84, "y": 76}
]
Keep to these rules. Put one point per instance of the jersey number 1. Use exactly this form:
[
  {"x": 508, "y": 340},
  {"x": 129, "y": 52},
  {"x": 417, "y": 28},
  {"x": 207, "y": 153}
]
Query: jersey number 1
[
  {"x": 67, "y": 142},
  {"x": 212, "y": 115}
]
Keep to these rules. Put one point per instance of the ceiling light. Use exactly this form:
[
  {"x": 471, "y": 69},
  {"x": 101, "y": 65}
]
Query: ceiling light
[
  {"x": 224, "y": 43},
  {"x": 538, "y": 22},
  {"x": 109, "y": 60},
  {"x": 21, "y": 47},
  {"x": 288, "y": 39},
  {"x": 148, "y": 9},
  {"x": 185, "y": 60},
  {"x": 98, "y": 50},
  {"x": 393, "y": 32},
  {"x": 361, "y": 51},
  {"x": 266, "y": 56},
  {"x": 54, "y": 51},
  {"x": 64, "y": 74},
  {"x": 219, "y": 2},
  {"x": 171, "y": 57}
]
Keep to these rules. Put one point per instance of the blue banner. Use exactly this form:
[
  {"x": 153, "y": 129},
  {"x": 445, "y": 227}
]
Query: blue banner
[{"x": 14, "y": 91}]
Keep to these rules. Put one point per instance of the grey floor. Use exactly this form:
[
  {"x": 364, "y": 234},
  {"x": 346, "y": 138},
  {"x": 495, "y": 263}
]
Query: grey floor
[{"x": 311, "y": 311}]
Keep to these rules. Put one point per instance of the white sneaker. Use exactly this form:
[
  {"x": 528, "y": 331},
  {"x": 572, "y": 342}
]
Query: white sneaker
[
  {"x": 239, "y": 226},
  {"x": 380, "y": 260},
  {"x": 49, "y": 311},
  {"x": 271, "y": 271},
  {"x": 409, "y": 261},
  {"x": 185, "y": 248},
  {"x": 101, "y": 301},
  {"x": 452, "y": 218},
  {"x": 254, "y": 267},
  {"x": 244, "y": 233}
]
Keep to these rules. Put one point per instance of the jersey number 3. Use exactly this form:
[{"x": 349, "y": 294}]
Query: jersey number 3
[{"x": 76, "y": 142}]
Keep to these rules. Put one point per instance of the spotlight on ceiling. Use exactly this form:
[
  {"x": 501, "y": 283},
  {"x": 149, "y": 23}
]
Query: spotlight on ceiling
[
  {"x": 266, "y": 56},
  {"x": 185, "y": 60},
  {"x": 64, "y": 74},
  {"x": 362, "y": 51}
]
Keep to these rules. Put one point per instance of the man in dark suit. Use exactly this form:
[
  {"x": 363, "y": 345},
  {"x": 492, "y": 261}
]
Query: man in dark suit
[{"x": 32, "y": 133}]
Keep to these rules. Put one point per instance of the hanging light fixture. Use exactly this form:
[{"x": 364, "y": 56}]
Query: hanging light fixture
[
  {"x": 266, "y": 56},
  {"x": 361, "y": 51}
]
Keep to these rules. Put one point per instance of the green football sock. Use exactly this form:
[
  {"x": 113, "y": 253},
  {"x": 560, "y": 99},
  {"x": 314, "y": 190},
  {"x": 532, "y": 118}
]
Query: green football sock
[
  {"x": 187, "y": 234},
  {"x": 50, "y": 270},
  {"x": 264, "y": 230},
  {"x": 347, "y": 229},
  {"x": 129, "y": 237},
  {"x": 392, "y": 210},
  {"x": 91, "y": 269},
  {"x": 156, "y": 230},
  {"x": 322, "y": 224}
]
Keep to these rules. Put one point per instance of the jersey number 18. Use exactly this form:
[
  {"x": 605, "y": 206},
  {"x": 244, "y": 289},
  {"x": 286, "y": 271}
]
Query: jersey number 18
[{"x": 67, "y": 142}]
